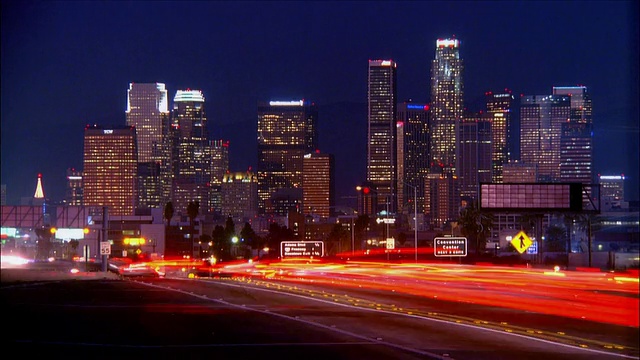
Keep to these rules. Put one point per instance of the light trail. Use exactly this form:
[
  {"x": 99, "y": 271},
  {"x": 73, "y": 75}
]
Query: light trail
[{"x": 601, "y": 297}]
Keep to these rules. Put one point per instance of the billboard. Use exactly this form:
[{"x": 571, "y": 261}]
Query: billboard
[{"x": 531, "y": 197}]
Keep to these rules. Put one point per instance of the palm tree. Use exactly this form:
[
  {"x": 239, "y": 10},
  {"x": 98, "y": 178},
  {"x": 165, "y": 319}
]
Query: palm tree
[
  {"x": 168, "y": 212},
  {"x": 193, "y": 209}
]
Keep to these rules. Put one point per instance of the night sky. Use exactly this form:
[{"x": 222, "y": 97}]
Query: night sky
[{"x": 68, "y": 64}]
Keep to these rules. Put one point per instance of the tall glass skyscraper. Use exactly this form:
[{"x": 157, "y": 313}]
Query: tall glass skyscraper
[
  {"x": 412, "y": 154},
  {"x": 499, "y": 111},
  {"x": 192, "y": 153},
  {"x": 287, "y": 130},
  {"x": 147, "y": 106},
  {"x": 381, "y": 137},
  {"x": 447, "y": 89},
  {"x": 475, "y": 153},
  {"x": 576, "y": 142},
  {"x": 541, "y": 121},
  {"x": 148, "y": 111}
]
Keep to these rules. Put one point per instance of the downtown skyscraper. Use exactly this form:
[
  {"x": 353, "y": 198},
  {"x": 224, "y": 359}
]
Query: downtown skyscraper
[
  {"x": 148, "y": 111},
  {"x": 191, "y": 151},
  {"x": 381, "y": 135},
  {"x": 412, "y": 154},
  {"x": 287, "y": 131},
  {"x": 541, "y": 121},
  {"x": 576, "y": 140},
  {"x": 500, "y": 113},
  {"x": 447, "y": 90}
]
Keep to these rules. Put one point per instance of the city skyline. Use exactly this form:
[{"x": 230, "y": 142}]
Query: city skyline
[{"x": 44, "y": 111}]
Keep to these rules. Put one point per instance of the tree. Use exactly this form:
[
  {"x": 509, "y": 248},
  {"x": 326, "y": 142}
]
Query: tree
[
  {"x": 338, "y": 236},
  {"x": 218, "y": 238},
  {"x": 44, "y": 242},
  {"x": 402, "y": 238},
  {"x": 361, "y": 225},
  {"x": 475, "y": 226},
  {"x": 74, "y": 247},
  {"x": 250, "y": 237},
  {"x": 556, "y": 238},
  {"x": 276, "y": 235},
  {"x": 193, "y": 209},
  {"x": 168, "y": 212}
]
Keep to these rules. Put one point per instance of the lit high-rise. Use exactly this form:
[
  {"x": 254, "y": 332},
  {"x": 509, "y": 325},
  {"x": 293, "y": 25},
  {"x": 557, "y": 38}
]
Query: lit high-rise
[
  {"x": 475, "y": 153},
  {"x": 148, "y": 111},
  {"x": 192, "y": 153},
  {"x": 447, "y": 90},
  {"x": 287, "y": 130},
  {"x": 318, "y": 184},
  {"x": 499, "y": 111},
  {"x": 412, "y": 153},
  {"x": 576, "y": 141},
  {"x": 541, "y": 121},
  {"x": 147, "y": 106},
  {"x": 110, "y": 168},
  {"x": 381, "y": 135}
]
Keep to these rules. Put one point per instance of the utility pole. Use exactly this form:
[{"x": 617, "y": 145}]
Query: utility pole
[{"x": 415, "y": 218}]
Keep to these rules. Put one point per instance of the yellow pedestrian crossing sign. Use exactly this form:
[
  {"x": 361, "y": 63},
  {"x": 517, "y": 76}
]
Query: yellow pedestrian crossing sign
[{"x": 521, "y": 242}]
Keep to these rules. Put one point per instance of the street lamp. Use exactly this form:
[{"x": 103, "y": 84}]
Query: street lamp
[{"x": 415, "y": 217}]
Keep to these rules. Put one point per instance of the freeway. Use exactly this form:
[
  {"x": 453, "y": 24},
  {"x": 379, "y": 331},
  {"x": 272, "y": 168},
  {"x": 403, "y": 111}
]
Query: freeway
[{"x": 313, "y": 310}]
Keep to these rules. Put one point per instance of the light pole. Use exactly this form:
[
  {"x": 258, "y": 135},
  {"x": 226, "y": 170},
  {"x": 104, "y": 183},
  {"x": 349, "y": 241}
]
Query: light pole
[{"x": 415, "y": 218}]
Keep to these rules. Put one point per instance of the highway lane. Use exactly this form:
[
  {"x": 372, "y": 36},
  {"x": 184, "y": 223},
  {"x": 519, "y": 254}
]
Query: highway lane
[{"x": 247, "y": 318}]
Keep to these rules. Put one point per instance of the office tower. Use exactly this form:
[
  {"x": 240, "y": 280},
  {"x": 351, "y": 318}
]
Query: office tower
[
  {"x": 412, "y": 154},
  {"x": 148, "y": 111},
  {"x": 239, "y": 195},
  {"x": 147, "y": 106},
  {"x": 475, "y": 153},
  {"x": 192, "y": 153},
  {"x": 611, "y": 191},
  {"x": 318, "y": 184},
  {"x": 500, "y": 110},
  {"x": 541, "y": 119},
  {"x": 381, "y": 137},
  {"x": 576, "y": 141},
  {"x": 110, "y": 167},
  {"x": 447, "y": 89},
  {"x": 287, "y": 130},
  {"x": 519, "y": 172},
  {"x": 73, "y": 195}
]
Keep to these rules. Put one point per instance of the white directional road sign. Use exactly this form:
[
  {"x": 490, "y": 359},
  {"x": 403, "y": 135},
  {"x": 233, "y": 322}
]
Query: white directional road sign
[
  {"x": 302, "y": 249},
  {"x": 450, "y": 246},
  {"x": 386, "y": 220}
]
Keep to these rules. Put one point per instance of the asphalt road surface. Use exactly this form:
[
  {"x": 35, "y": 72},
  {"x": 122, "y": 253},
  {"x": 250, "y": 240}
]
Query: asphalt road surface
[{"x": 105, "y": 317}]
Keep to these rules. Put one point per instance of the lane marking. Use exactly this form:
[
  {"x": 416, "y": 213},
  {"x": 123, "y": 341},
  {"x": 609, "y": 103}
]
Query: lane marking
[{"x": 412, "y": 315}]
